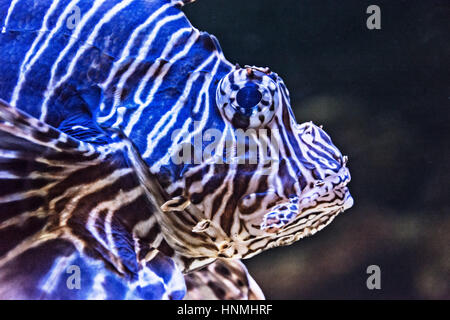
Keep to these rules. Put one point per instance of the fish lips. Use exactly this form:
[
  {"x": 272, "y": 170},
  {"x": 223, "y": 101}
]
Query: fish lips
[{"x": 332, "y": 189}]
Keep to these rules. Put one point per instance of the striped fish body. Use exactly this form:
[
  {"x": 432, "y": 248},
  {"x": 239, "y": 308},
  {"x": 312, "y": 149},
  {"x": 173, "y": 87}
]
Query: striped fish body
[
  {"x": 124, "y": 64},
  {"x": 131, "y": 88}
]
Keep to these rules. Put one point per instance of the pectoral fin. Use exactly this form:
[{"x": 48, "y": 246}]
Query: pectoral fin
[
  {"x": 222, "y": 280},
  {"x": 67, "y": 213}
]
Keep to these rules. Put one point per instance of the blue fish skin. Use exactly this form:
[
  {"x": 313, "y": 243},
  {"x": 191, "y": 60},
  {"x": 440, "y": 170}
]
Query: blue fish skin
[
  {"x": 106, "y": 59},
  {"x": 130, "y": 83},
  {"x": 68, "y": 215}
]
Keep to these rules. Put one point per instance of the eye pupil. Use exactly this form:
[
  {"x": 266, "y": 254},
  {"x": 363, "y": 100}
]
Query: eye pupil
[{"x": 248, "y": 97}]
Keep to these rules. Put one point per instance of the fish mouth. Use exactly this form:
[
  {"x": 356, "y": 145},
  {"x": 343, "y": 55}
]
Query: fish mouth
[
  {"x": 328, "y": 185},
  {"x": 325, "y": 199},
  {"x": 348, "y": 203}
]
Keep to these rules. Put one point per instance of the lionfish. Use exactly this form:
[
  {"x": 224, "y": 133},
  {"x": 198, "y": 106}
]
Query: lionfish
[{"x": 101, "y": 102}]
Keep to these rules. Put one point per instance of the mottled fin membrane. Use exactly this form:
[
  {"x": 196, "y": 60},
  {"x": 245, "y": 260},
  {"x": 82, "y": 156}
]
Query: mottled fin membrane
[
  {"x": 222, "y": 280},
  {"x": 281, "y": 215},
  {"x": 67, "y": 210},
  {"x": 82, "y": 127}
]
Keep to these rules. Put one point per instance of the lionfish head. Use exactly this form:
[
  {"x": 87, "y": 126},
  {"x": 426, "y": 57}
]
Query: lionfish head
[{"x": 264, "y": 180}]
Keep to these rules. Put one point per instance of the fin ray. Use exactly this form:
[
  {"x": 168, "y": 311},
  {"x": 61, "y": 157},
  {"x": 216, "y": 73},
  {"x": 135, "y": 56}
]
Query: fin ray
[
  {"x": 61, "y": 203},
  {"x": 222, "y": 280}
]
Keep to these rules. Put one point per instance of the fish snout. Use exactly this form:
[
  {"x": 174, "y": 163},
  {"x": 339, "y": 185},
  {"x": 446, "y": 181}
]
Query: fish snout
[{"x": 348, "y": 203}]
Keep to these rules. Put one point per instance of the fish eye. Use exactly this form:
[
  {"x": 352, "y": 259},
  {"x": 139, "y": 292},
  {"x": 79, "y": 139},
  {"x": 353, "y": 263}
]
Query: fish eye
[{"x": 248, "y": 97}]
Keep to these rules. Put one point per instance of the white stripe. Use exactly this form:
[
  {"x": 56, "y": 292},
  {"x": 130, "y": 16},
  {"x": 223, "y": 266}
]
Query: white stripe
[
  {"x": 91, "y": 40},
  {"x": 98, "y": 291},
  {"x": 167, "y": 50},
  {"x": 172, "y": 113},
  {"x": 306, "y": 173},
  {"x": 126, "y": 51},
  {"x": 90, "y": 226},
  {"x": 121, "y": 110},
  {"x": 143, "y": 51},
  {"x": 58, "y": 267},
  {"x": 142, "y": 55},
  {"x": 24, "y": 66},
  {"x": 203, "y": 92},
  {"x": 157, "y": 83},
  {"x": 10, "y": 10},
  {"x": 51, "y": 83}
]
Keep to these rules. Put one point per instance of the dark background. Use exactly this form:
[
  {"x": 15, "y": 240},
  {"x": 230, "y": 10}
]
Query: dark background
[{"x": 383, "y": 96}]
